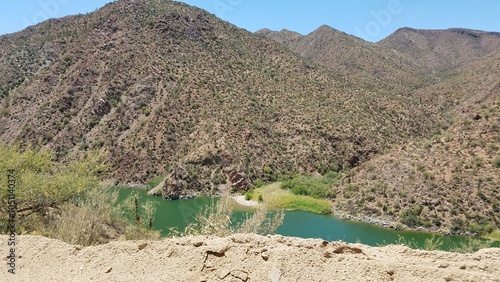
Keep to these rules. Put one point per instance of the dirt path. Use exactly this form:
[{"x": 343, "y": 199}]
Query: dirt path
[{"x": 241, "y": 258}]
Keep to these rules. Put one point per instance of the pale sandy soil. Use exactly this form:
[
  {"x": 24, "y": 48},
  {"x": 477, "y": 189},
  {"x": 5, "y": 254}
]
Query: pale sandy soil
[
  {"x": 241, "y": 201},
  {"x": 241, "y": 258}
]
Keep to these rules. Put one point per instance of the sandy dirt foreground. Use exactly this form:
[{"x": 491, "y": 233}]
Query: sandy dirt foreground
[{"x": 241, "y": 258}]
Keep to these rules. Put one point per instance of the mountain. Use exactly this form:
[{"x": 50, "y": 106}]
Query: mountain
[
  {"x": 448, "y": 180},
  {"x": 165, "y": 89},
  {"x": 359, "y": 62},
  {"x": 284, "y": 36},
  {"x": 442, "y": 50}
]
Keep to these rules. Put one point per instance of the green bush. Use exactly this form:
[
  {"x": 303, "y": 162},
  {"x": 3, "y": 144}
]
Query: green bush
[
  {"x": 152, "y": 183},
  {"x": 260, "y": 199},
  {"x": 258, "y": 183},
  {"x": 496, "y": 162},
  {"x": 249, "y": 195},
  {"x": 411, "y": 217},
  {"x": 43, "y": 185},
  {"x": 314, "y": 187}
]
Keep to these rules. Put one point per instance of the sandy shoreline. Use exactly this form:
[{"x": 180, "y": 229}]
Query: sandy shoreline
[{"x": 241, "y": 201}]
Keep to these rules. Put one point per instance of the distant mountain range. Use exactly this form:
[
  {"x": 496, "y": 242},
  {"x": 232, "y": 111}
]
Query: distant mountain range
[{"x": 166, "y": 89}]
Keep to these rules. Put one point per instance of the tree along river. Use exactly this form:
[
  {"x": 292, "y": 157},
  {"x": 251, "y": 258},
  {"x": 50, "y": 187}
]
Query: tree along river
[{"x": 179, "y": 213}]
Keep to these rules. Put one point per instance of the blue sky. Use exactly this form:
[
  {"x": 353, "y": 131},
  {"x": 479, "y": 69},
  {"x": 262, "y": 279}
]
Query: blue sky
[{"x": 371, "y": 20}]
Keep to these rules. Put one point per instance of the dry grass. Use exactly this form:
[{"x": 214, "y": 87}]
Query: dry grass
[
  {"x": 96, "y": 218},
  {"x": 216, "y": 220},
  {"x": 88, "y": 221}
]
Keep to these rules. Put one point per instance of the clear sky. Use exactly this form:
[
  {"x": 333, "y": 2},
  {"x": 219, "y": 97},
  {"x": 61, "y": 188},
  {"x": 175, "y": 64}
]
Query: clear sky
[{"x": 371, "y": 20}]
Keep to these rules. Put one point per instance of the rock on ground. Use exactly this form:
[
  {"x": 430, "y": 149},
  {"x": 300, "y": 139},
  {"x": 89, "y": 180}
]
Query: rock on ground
[{"x": 241, "y": 257}]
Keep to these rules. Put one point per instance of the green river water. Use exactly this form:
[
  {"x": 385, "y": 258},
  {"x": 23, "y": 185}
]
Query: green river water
[{"x": 302, "y": 224}]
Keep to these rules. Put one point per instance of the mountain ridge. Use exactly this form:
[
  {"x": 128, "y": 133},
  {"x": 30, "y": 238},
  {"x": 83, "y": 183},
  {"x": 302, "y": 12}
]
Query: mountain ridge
[{"x": 166, "y": 89}]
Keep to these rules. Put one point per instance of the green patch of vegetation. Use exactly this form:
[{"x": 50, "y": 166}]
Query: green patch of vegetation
[
  {"x": 249, "y": 195},
  {"x": 496, "y": 161},
  {"x": 152, "y": 183},
  {"x": 411, "y": 217},
  {"x": 258, "y": 183},
  {"x": 146, "y": 111},
  {"x": 260, "y": 198},
  {"x": 318, "y": 188},
  {"x": 495, "y": 235},
  {"x": 276, "y": 198}
]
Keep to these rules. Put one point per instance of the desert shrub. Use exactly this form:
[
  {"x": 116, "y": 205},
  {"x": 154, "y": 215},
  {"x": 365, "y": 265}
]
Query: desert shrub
[
  {"x": 411, "y": 217},
  {"x": 64, "y": 201},
  {"x": 350, "y": 190},
  {"x": 152, "y": 183},
  {"x": 471, "y": 245},
  {"x": 42, "y": 184},
  {"x": 314, "y": 187},
  {"x": 457, "y": 224},
  {"x": 249, "y": 195},
  {"x": 496, "y": 161},
  {"x": 269, "y": 174},
  {"x": 430, "y": 244},
  {"x": 258, "y": 183},
  {"x": 90, "y": 220},
  {"x": 137, "y": 218}
]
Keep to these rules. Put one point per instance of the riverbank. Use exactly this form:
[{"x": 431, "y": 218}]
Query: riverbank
[
  {"x": 495, "y": 236},
  {"x": 276, "y": 198},
  {"x": 240, "y": 200},
  {"x": 242, "y": 257}
]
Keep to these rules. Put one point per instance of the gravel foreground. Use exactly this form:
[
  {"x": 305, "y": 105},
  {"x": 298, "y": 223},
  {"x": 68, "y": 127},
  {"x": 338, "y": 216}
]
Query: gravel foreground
[{"x": 242, "y": 257}]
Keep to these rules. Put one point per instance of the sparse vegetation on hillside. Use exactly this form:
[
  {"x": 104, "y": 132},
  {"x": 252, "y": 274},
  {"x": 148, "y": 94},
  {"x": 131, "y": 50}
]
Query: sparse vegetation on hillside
[
  {"x": 447, "y": 182},
  {"x": 169, "y": 91}
]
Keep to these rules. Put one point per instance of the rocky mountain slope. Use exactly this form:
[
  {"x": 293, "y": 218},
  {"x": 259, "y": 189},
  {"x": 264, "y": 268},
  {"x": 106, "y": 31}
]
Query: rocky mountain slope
[
  {"x": 165, "y": 89},
  {"x": 450, "y": 179},
  {"x": 243, "y": 258},
  {"x": 442, "y": 50},
  {"x": 358, "y": 61}
]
